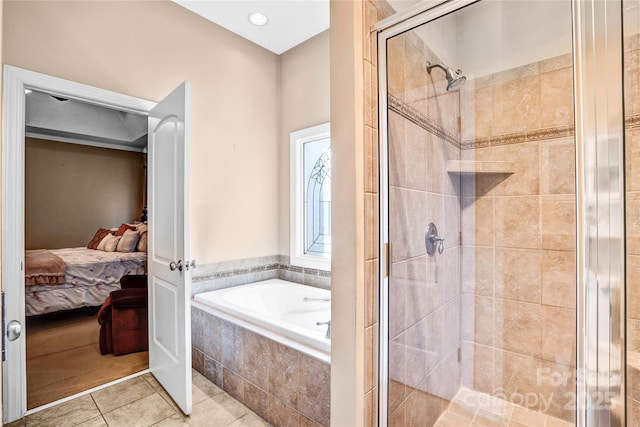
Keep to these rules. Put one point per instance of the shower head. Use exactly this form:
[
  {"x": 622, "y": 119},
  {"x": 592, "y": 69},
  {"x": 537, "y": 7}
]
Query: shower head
[{"x": 454, "y": 77}]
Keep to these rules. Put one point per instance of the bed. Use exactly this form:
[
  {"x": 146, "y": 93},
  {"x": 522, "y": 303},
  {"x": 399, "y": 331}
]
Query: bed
[{"x": 89, "y": 276}]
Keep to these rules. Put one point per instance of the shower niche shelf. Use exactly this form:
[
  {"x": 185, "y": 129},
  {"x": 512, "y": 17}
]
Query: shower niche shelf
[{"x": 472, "y": 167}]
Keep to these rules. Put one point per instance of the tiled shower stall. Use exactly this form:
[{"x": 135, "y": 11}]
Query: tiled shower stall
[{"x": 485, "y": 331}]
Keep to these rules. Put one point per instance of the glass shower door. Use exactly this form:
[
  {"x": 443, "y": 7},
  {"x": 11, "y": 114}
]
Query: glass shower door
[{"x": 481, "y": 218}]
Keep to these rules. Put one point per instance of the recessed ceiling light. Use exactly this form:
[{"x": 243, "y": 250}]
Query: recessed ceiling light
[{"x": 258, "y": 18}]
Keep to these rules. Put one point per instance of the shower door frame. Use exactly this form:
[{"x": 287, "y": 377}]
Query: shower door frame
[{"x": 598, "y": 121}]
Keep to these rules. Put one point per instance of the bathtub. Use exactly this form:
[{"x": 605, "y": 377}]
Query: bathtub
[{"x": 277, "y": 306}]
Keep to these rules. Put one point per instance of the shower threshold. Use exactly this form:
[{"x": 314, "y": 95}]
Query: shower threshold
[{"x": 471, "y": 408}]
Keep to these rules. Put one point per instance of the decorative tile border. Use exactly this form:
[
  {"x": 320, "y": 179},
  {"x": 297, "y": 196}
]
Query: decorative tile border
[
  {"x": 225, "y": 274},
  {"x": 430, "y": 126},
  {"x": 419, "y": 119}
]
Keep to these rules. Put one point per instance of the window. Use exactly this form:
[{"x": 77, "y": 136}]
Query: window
[{"x": 311, "y": 197}]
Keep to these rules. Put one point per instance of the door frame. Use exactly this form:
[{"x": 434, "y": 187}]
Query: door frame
[{"x": 16, "y": 81}]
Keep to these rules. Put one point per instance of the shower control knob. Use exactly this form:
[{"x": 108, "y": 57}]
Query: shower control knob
[{"x": 432, "y": 241}]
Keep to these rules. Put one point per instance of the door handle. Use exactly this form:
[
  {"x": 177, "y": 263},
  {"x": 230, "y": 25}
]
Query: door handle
[
  {"x": 176, "y": 265},
  {"x": 14, "y": 329}
]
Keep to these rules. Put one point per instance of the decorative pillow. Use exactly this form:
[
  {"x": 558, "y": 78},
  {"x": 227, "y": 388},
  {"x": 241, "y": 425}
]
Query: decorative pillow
[
  {"x": 109, "y": 243},
  {"x": 112, "y": 244},
  {"x": 97, "y": 238},
  {"x": 123, "y": 228},
  {"x": 142, "y": 228},
  {"x": 128, "y": 241},
  {"x": 142, "y": 243}
]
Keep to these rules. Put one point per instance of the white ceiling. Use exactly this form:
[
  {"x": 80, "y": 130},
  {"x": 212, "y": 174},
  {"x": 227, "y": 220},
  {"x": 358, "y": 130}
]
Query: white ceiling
[{"x": 290, "y": 21}]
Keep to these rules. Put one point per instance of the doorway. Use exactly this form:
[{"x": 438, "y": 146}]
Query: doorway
[
  {"x": 168, "y": 126},
  {"x": 84, "y": 171}
]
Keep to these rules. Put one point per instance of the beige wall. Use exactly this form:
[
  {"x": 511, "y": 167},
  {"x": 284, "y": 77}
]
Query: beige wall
[
  {"x": 304, "y": 91},
  {"x": 71, "y": 190},
  {"x": 145, "y": 49},
  {"x": 347, "y": 211}
]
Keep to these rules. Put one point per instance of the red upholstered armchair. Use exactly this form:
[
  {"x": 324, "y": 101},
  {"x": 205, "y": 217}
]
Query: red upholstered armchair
[{"x": 124, "y": 326}]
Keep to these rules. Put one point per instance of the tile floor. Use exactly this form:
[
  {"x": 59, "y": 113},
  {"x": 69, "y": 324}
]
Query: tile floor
[{"x": 141, "y": 401}]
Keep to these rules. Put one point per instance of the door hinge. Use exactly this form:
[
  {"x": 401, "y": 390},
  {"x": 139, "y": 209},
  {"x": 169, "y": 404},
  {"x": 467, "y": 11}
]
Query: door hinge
[
  {"x": 459, "y": 355},
  {"x": 386, "y": 260},
  {"x": 3, "y": 305}
]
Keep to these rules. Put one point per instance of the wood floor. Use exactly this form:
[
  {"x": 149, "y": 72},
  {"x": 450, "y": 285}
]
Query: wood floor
[{"x": 63, "y": 357}]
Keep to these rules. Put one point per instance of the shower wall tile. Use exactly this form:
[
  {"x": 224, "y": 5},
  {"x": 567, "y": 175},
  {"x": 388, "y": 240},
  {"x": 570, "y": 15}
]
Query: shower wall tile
[
  {"x": 371, "y": 226},
  {"x": 371, "y": 292},
  {"x": 478, "y": 270},
  {"x": 633, "y": 292},
  {"x": 371, "y": 164},
  {"x": 631, "y": 42},
  {"x": 558, "y": 341},
  {"x": 483, "y": 377},
  {"x": 556, "y": 89},
  {"x": 559, "y": 278},
  {"x": 371, "y": 361},
  {"x": 397, "y": 150},
  {"x": 517, "y": 274},
  {"x": 633, "y": 223},
  {"x": 415, "y": 77},
  {"x": 451, "y": 273},
  {"x": 632, "y": 159},
  {"x": 396, "y": 67},
  {"x": 436, "y": 160},
  {"x": 451, "y": 227},
  {"x": 416, "y": 146},
  {"x": 444, "y": 109},
  {"x": 518, "y": 327},
  {"x": 631, "y": 82},
  {"x": 526, "y": 179},
  {"x": 556, "y": 63},
  {"x": 518, "y": 222},
  {"x": 557, "y": 175},
  {"x": 478, "y": 221},
  {"x": 517, "y": 73},
  {"x": 558, "y": 222},
  {"x": 478, "y": 321},
  {"x": 516, "y": 105},
  {"x": 476, "y": 113}
]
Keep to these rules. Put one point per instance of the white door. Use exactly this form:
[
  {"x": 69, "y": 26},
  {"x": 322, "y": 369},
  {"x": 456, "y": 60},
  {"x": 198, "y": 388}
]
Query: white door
[{"x": 168, "y": 257}]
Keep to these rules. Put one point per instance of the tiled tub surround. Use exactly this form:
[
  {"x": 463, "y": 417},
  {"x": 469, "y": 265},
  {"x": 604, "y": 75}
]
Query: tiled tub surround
[
  {"x": 219, "y": 275},
  {"x": 288, "y": 309},
  {"x": 284, "y": 386}
]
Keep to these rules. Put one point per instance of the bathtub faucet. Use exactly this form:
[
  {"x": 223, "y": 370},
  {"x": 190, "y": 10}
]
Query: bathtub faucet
[
  {"x": 328, "y": 323},
  {"x": 307, "y": 299}
]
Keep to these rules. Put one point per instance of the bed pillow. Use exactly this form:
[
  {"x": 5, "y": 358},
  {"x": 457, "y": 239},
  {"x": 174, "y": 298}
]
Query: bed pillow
[
  {"x": 123, "y": 228},
  {"x": 142, "y": 228},
  {"x": 109, "y": 243},
  {"x": 128, "y": 241},
  {"x": 142, "y": 243},
  {"x": 97, "y": 238}
]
